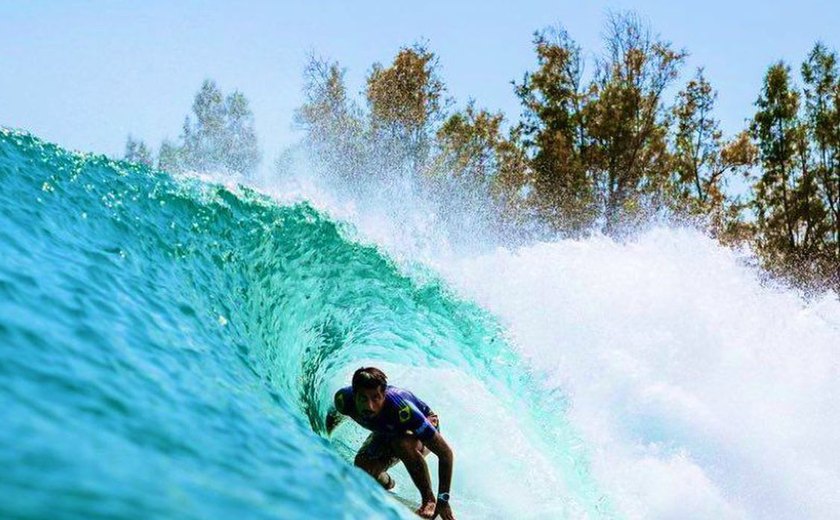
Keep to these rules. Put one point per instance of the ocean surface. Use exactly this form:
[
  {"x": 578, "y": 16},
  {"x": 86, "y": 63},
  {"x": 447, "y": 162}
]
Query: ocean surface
[{"x": 169, "y": 347}]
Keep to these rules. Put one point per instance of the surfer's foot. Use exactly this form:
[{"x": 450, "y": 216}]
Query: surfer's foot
[
  {"x": 386, "y": 480},
  {"x": 427, "y": 510}
]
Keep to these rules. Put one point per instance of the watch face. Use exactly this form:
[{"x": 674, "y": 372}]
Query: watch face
[{"x": 444, "y": 497}]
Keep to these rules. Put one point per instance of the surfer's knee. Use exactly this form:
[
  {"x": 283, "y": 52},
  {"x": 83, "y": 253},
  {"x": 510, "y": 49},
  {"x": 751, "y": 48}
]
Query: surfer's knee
[
  {"x": 362, "y": 462},
  {"x": 407, "y": 448}
]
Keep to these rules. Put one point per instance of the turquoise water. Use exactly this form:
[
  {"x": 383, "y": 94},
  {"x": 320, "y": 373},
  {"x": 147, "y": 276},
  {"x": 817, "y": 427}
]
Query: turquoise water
[{"x": 168, "y": 348}]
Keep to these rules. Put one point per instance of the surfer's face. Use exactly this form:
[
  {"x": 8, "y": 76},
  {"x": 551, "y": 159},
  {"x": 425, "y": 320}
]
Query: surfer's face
[{"x": 369, "y": 402}]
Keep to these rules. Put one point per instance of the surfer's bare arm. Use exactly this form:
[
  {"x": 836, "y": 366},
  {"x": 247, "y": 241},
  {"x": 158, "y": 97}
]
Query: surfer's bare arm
[
  {"x": 446, "y": 460},
  {"x": 333, "y": 419},
  {"x": 337, "y": 411}
]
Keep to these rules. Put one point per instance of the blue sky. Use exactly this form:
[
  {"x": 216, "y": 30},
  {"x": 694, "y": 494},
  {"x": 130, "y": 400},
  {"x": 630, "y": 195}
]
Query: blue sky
[{"x": 86, "y": 74}]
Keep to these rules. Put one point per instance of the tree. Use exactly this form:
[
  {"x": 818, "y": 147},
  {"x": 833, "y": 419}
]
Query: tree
[
  {"x": 822, "y": 108},
  {"x": 406, "y": 102},
  {"x": 513, "y": 184},
  {"x": 554, "y": 132},
  {"x": 170, "y": 157},
  {"x": 136, "y": 151},
  {"x": 597, "y": 150},
  {"x": 627, "y": 121},
  {"x": 240, "y": 150},
  {"x": 701, "y": 158},
  {"x": 203, "y": 137},
  {"x": 220, "y": 135},
  {"x": 468, "y": 142},
  {"x": 789, "y": 215},
  {"x": 332, "y": 123},
  {"x": 482, "y": 168}
]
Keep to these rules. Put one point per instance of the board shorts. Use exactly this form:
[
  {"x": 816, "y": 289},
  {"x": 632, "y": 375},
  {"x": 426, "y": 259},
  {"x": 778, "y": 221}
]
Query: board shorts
[{"x": 377, "y": 446}]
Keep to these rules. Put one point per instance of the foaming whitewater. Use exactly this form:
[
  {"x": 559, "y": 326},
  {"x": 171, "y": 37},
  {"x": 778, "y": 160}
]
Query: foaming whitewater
[{"x": 698, "y": 391}]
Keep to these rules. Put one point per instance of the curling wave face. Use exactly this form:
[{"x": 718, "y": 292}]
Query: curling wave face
[{"x": 169, "y": 348}]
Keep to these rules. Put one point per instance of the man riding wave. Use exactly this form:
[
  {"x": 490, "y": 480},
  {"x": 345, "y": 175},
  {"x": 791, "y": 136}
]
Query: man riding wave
[{"x": 404, "y": 428}]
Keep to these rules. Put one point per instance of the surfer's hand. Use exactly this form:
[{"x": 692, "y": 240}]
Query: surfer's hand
[
  {"x": 333, "y": 418},
  {"x": 427, "y": 509},
  {"x": 444, "y": 511}
]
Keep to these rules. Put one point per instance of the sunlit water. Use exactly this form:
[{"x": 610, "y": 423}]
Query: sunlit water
[{"x": 169, "y": 347}]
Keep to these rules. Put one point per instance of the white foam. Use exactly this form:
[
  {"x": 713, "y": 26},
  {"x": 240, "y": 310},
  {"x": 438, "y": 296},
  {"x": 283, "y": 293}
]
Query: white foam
[{"x": 700, "y": 393}]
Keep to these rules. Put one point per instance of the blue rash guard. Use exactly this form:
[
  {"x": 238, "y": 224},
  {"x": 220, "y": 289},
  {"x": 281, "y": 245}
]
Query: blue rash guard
[{"x": 402, "y": 413}]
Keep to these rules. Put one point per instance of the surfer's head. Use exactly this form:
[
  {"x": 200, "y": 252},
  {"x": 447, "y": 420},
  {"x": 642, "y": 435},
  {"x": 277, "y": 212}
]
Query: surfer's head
[{"x": 369, "y": 391}]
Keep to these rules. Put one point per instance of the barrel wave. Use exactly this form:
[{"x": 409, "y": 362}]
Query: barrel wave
[{"x": 170, "y": 348}]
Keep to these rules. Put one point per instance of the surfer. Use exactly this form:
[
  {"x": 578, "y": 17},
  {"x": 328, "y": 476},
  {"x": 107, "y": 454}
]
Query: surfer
[{"x": 403, "y": 428}]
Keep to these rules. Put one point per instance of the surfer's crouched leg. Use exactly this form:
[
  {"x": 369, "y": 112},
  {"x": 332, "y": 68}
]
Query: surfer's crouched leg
[
  {"x": 375, "y": 457},
  {"x": 412, "y": 452}
]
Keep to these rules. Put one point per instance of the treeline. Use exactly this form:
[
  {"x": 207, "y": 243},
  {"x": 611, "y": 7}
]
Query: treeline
[
  {"x": 218, "y": 136},
  {"x": 601, "y": 144}
]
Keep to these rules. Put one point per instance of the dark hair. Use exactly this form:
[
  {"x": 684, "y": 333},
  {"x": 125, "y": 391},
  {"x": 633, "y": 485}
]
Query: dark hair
[{"x": 369, "y": 378}]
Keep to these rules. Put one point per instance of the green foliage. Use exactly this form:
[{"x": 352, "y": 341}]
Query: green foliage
[
  {"x": 404, "y": 134},
  {"x": 405, "y": 103},
  {"x": 396, "y": 132},
  {"x": 468, "y": 142},
  {"x": 627, "y": 120},
  {"x": 594, "y": 151},
  {"x": 170, "y": 157},
  {"x": 779, "y": 134},
  {"x": 792, "y": 225},
  {"x": 240, "y": 149},
  {"x": 701, "y": 159},
  {"x": 554, "y": 132},
  {"x": 822, "y": 107},
  {"x": 475, "y": 158},
  {"x": 597, "y": 149}
]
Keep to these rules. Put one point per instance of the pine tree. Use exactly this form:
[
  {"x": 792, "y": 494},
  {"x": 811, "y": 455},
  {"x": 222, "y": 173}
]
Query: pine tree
[
  {"x": 170, "y": 157},
  {"x": 406, "y": 102},
  {"x": 597, "y": 150},
  {"x": 468, "y": 142},
  {"x": 477, "y": 164},
  {"x": 334, "y": 133},
  {"x": 240, "y": 151},
  {"x": 218, "y": 136},
  {"x": 789, "y": 215},
  {"x": 203, "y": 137},
  {"x": 822, "y": 107}
]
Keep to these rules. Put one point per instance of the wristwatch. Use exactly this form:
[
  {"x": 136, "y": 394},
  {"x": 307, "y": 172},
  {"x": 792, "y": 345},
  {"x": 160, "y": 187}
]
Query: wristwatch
[{"x": 443, "y": 497}]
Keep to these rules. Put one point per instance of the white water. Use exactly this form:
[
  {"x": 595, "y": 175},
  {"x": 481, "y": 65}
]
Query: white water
[{"x": 698, "y": 391}]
